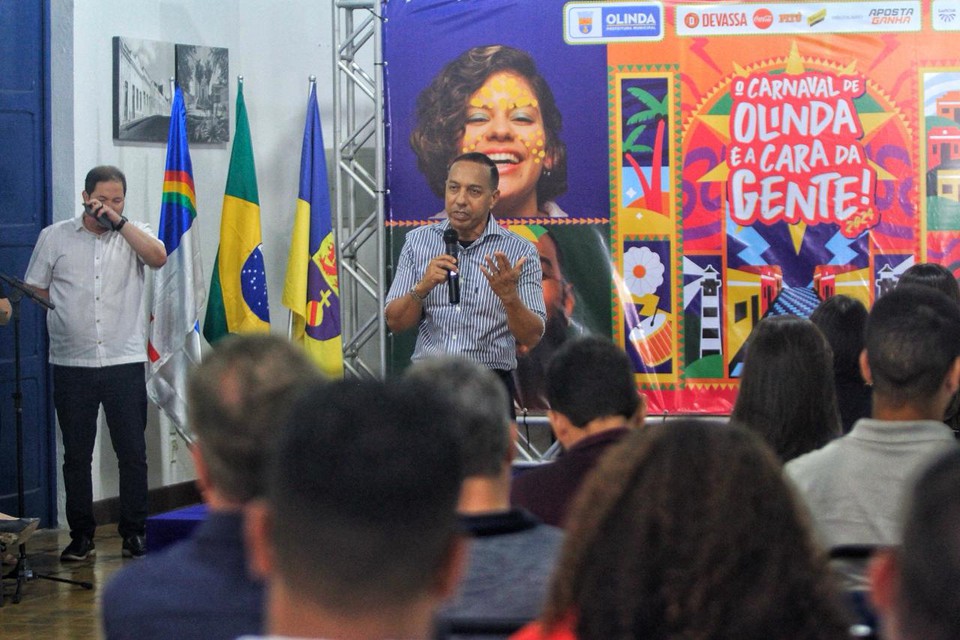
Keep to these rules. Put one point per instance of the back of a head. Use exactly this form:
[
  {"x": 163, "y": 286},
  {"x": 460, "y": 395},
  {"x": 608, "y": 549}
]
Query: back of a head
[
  {"x": 690, "y": 530},
  {"x": 842, "y": 320},
  {"x": 928, "y": 598},
  {"x": 787, "y": 392},
  {"x": 933, "y": 275},
  {"x": 236, "y": 399},
  {"x": 482, "y": 424},
  {"x": 362, "y": 486},
  {"x": 912, "y": 339},
  {"x": 591, "y": 378}
]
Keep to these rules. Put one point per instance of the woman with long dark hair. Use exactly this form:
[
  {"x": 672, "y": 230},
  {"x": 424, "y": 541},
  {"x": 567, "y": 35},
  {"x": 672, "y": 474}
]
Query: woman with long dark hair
[
  {"x": 786, "y": 388},
  {"x": 842, "y": 320}
]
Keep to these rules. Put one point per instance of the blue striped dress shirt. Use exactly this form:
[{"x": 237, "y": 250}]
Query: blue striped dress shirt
[{"x": 475, "y": 329}]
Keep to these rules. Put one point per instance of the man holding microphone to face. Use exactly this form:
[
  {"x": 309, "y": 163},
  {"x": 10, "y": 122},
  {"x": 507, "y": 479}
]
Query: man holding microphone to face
[
  {"x": 91, "y": 268},
  {"x": 491, "y": 299}
]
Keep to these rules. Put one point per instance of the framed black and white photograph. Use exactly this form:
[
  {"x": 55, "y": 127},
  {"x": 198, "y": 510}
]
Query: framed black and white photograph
[
  {"x": 141, "y": 89},
  {"x": 203, "y": 74}
]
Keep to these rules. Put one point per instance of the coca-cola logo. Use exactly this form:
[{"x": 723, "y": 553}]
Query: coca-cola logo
[{"x": 762, "y": 18}]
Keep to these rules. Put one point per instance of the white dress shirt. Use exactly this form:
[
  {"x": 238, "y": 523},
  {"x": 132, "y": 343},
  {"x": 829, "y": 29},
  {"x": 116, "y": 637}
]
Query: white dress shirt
[{"x": 96, "y": 284}]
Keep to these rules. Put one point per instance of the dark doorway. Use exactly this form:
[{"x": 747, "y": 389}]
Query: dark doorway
[{"x": 25, "y": 198}]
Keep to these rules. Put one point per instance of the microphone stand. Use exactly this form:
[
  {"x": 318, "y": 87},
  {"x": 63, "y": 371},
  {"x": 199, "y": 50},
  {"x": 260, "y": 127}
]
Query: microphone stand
[{"x": 22, "y": 571}]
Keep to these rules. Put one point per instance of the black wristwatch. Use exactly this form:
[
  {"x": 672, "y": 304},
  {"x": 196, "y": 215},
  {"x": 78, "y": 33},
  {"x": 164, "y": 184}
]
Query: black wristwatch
[{"x": 119, "y": 225}]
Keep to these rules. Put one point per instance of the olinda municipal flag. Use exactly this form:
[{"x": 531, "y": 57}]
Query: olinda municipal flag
[{"x": 311, "y": 290}]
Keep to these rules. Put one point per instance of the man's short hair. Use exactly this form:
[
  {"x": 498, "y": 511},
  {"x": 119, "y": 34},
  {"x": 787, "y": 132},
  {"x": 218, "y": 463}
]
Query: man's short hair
[
  {"x": 479, "y": 158},
  {"x": 104, "y": 173},
  {"x": 363, "y": 486},
  {"x": 234, "y": 399},
  {"x": 912, "y": 338},
  {"x": 591, "y": 378},
  {"x": 928, "y": 598},
  {"x": 483, "y": 424},
  {"x": 931, "y": 274}
]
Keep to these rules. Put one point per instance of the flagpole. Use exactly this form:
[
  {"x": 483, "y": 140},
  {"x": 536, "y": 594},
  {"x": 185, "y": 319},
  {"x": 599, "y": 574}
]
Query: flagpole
[{"x": 311, "y": 82}]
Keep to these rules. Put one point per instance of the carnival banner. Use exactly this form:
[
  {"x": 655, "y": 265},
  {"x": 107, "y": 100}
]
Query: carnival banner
[{"x": 740, "y": 159}]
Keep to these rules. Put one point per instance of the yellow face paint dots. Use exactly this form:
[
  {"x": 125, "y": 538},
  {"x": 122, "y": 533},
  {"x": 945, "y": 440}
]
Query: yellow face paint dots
[{"x": 503, "y": 121}]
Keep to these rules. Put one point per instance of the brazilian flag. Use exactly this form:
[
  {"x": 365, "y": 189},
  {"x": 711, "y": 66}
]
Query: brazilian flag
[{"x": 238, "y": 290}]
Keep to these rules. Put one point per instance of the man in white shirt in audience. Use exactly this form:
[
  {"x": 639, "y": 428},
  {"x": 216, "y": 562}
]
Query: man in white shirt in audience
[{"x": 855, "y": 485}]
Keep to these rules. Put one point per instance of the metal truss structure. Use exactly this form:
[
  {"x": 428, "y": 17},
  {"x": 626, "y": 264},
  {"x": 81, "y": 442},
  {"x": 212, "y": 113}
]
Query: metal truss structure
[{"x": 358, "y": 127}]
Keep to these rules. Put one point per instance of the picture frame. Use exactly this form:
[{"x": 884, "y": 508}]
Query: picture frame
[
  {"x": 142, "y": 94},
  {"x": 203, "y": 74}
]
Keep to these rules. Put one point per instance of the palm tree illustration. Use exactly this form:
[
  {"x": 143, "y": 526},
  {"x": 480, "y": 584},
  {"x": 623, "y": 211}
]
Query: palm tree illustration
[{"x": 653, "y": 113}]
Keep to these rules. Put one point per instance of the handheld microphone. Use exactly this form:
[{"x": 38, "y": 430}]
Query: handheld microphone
[
  {"x": 452, "y": 239},
  {"x": 101, "y": 220}
]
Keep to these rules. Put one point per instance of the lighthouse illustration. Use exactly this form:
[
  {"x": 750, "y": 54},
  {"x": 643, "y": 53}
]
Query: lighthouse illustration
[{"x": 710, "y": 343}]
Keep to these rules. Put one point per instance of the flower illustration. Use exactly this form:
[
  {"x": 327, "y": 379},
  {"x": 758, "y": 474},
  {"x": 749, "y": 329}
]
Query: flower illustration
[{"x": 642, "y": 271}]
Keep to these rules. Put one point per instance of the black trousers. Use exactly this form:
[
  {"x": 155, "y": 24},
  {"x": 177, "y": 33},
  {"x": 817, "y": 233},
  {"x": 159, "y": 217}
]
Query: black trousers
[
  {"x": 506, "y": 377},
  {"x": 78, "y": 393}
]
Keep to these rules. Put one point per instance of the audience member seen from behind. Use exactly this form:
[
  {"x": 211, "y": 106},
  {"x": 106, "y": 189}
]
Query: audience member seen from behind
[
  {"x": 512, "y": 553},
  {"x": 937, "y": 276},
  {"x": 842, "y": 320},
  {"x": 493, "y": 100},
  {"x": 786, "y": 389},
  {"x": 689, "y": 531},
  {"x": 358, "y": 537},
  {"x": 915, "y": 587},
  {"x": 594, "y": 402},
  {"x": 201, "y": 587},
  {"x": 854, "y": 486},
  {"x": 930, "y": 274}
]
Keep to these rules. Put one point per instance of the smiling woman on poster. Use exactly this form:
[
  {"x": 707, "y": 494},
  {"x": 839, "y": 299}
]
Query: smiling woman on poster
[{"x": 493, "y": 100}]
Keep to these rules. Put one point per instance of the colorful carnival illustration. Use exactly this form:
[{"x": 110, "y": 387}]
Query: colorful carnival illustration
[{"x": 741, "y": 159}]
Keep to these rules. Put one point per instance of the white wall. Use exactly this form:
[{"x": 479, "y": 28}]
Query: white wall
[{"x": 275, "y": 45}]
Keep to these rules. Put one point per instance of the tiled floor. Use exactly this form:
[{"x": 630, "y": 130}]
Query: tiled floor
[{"x": 53, "y": 610}]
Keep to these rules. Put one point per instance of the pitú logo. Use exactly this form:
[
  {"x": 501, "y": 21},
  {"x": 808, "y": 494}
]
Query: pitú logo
[{"x": 762, "y": 18}]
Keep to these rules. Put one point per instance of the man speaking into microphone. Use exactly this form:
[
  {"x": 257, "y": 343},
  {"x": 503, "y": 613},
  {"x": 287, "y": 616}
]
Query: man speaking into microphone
[{"x": 471, "y": 287}]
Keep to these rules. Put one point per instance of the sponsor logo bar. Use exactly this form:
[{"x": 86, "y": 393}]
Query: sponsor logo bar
[{"x": 883, "y": 16}]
